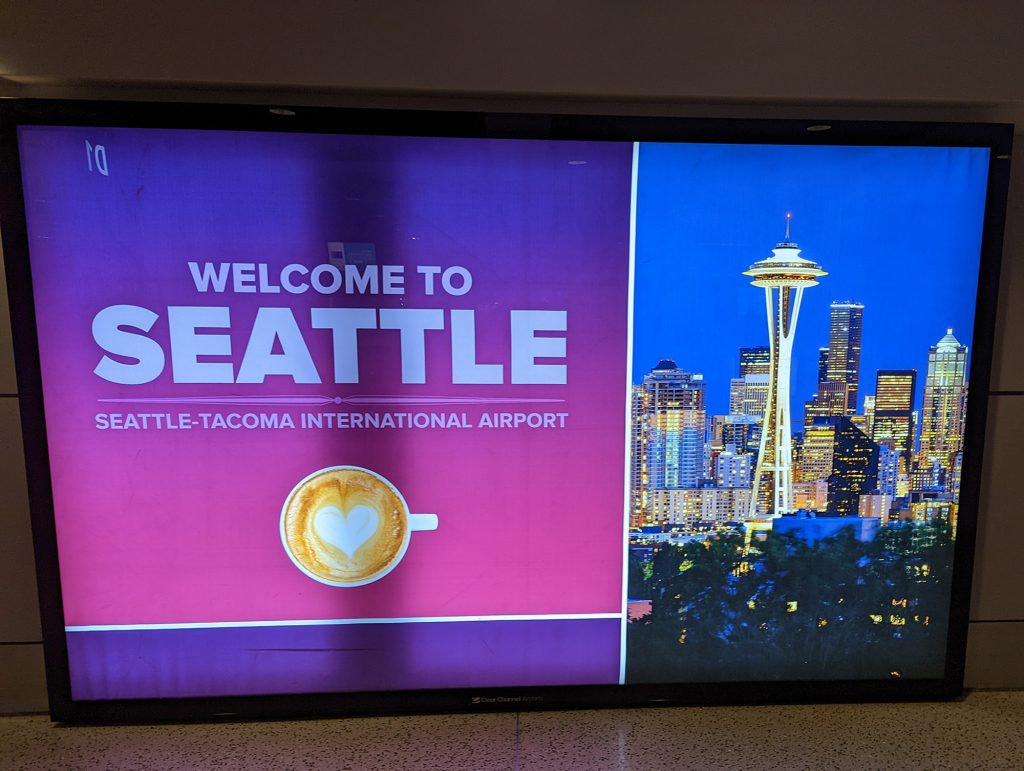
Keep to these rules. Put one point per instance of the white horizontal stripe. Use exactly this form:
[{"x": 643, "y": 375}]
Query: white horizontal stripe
[{"x": 337, "y": 622}]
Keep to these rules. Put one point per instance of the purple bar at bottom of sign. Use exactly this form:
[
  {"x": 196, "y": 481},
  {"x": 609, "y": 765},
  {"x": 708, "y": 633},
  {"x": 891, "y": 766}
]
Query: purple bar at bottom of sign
[{"x": 221, "y": 661}]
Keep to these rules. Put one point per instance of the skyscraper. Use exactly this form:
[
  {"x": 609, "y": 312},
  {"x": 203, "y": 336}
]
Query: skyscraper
[
  {"x": 846, "y": 320},
  {"x": 888, "y": 471},
  {"x": 732, "y": 469},
  {"x": 893, "y": 423},
  {"x": 817, "y": 449},
  {"x": 673, "y": 421},
  {"x": 748, "y": 394},
  {"x": 869, "y": 413},
  {"x": 783, "y": 276},
  {"x": 854, "y": 464},
  {"x": 639, "y": 497},
  {"x": 822, "y": 365},
  {"x": 744, "y": 431},
  {"x": 830, "y": 401},
  {"x": 945, "y": 403},
  {"x": 755, "y": 361}
]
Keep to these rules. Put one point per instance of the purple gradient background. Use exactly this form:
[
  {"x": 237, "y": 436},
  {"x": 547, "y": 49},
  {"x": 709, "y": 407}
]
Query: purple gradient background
[
  {"x": 182, "y": 526},
  {"x": 360, "y": 657}
]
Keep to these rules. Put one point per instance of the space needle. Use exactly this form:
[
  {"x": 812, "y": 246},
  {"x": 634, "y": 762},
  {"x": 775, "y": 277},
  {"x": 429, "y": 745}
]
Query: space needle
[{"x": 789, "y": 273}]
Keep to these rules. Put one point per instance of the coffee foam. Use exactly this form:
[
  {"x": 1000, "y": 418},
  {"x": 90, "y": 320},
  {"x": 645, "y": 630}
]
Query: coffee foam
[{"x": 336, "y": 494}]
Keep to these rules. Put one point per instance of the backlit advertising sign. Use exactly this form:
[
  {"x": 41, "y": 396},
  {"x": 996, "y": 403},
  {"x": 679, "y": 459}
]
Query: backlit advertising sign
[{"x": 490, "y": 419}]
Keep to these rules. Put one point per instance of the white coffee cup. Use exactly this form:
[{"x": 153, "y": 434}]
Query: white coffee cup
[{"x": 348, "y": 526}]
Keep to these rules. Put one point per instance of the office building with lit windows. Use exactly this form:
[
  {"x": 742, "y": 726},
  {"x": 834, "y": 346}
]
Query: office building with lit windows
[
  {"x": 891, "y": 480},
  {"x": 743, "y": 431},
  {"x": 846, "y": 321},
  {"x": 669, "y": 420},
  {"x": 811, "y": 496},
  {"x": 756, "y": 360},
  {"x": 854, "y": 467},
  {"x": 732, "y": 468},
  {"x": 876, "y": 505},
  {"x": 822, "y": 364},
  {"x": 893, "y": 417},
  {"x": 638, "y": 480},
  {"x": 816, "y": 450},
  {"x": 945, "y": 404},
  {"x": 839, "y": 364},
  {"x": 869, "y": 415},
  {"x": 692, "y": 508},
  {"x": 748, "y": 394},
  {"x": 830, "y": 401}
]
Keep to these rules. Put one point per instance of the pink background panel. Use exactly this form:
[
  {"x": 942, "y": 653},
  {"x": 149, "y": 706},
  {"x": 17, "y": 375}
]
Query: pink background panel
[{"x": 182, "y": 526}]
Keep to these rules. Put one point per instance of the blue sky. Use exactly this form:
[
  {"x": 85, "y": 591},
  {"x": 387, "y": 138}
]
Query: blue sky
[{"x": 897, "y": 229}]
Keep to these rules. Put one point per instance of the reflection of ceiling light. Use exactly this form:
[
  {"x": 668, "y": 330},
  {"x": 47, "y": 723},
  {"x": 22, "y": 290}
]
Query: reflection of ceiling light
[
  {"x": 281, "y": 111},
  {"x": 577, "y": 163},
  {"x": 1002, "y": 157},
  {"x": 819, "y": 127}
]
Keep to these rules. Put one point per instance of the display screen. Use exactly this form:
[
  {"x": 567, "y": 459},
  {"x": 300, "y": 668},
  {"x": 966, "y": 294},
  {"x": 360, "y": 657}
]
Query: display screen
[{"x": 333, "y": 413}]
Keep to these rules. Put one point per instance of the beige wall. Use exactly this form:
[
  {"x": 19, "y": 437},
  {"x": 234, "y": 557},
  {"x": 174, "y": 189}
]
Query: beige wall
[{"x": 942, "y": 60}]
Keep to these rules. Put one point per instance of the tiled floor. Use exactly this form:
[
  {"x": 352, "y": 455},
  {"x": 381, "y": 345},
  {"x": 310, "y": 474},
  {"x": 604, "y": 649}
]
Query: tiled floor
[{"x": 983, "y": 731}]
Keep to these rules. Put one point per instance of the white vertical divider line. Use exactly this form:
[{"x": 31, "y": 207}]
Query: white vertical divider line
[{"x": 629, "y": 403}]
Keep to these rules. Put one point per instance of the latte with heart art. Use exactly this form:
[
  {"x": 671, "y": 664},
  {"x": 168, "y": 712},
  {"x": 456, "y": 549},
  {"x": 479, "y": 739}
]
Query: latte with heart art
[{"x": 345, "y": 526}]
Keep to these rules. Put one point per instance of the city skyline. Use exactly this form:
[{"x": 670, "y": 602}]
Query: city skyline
[
  {"x": 819, "y": 535},
  {"x": 909, "y": 256},
  {"x": 750, "y": 399}
]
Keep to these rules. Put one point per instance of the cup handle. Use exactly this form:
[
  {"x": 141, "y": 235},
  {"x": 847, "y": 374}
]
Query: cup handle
[{"x": 423, "y": 521}]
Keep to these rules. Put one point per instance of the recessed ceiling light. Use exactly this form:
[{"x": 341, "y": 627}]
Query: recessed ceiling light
[
  {"x": 1002, "y": 157},
  {"x": 819, "y": 127},
  {"x": 281, "y": 111}
]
